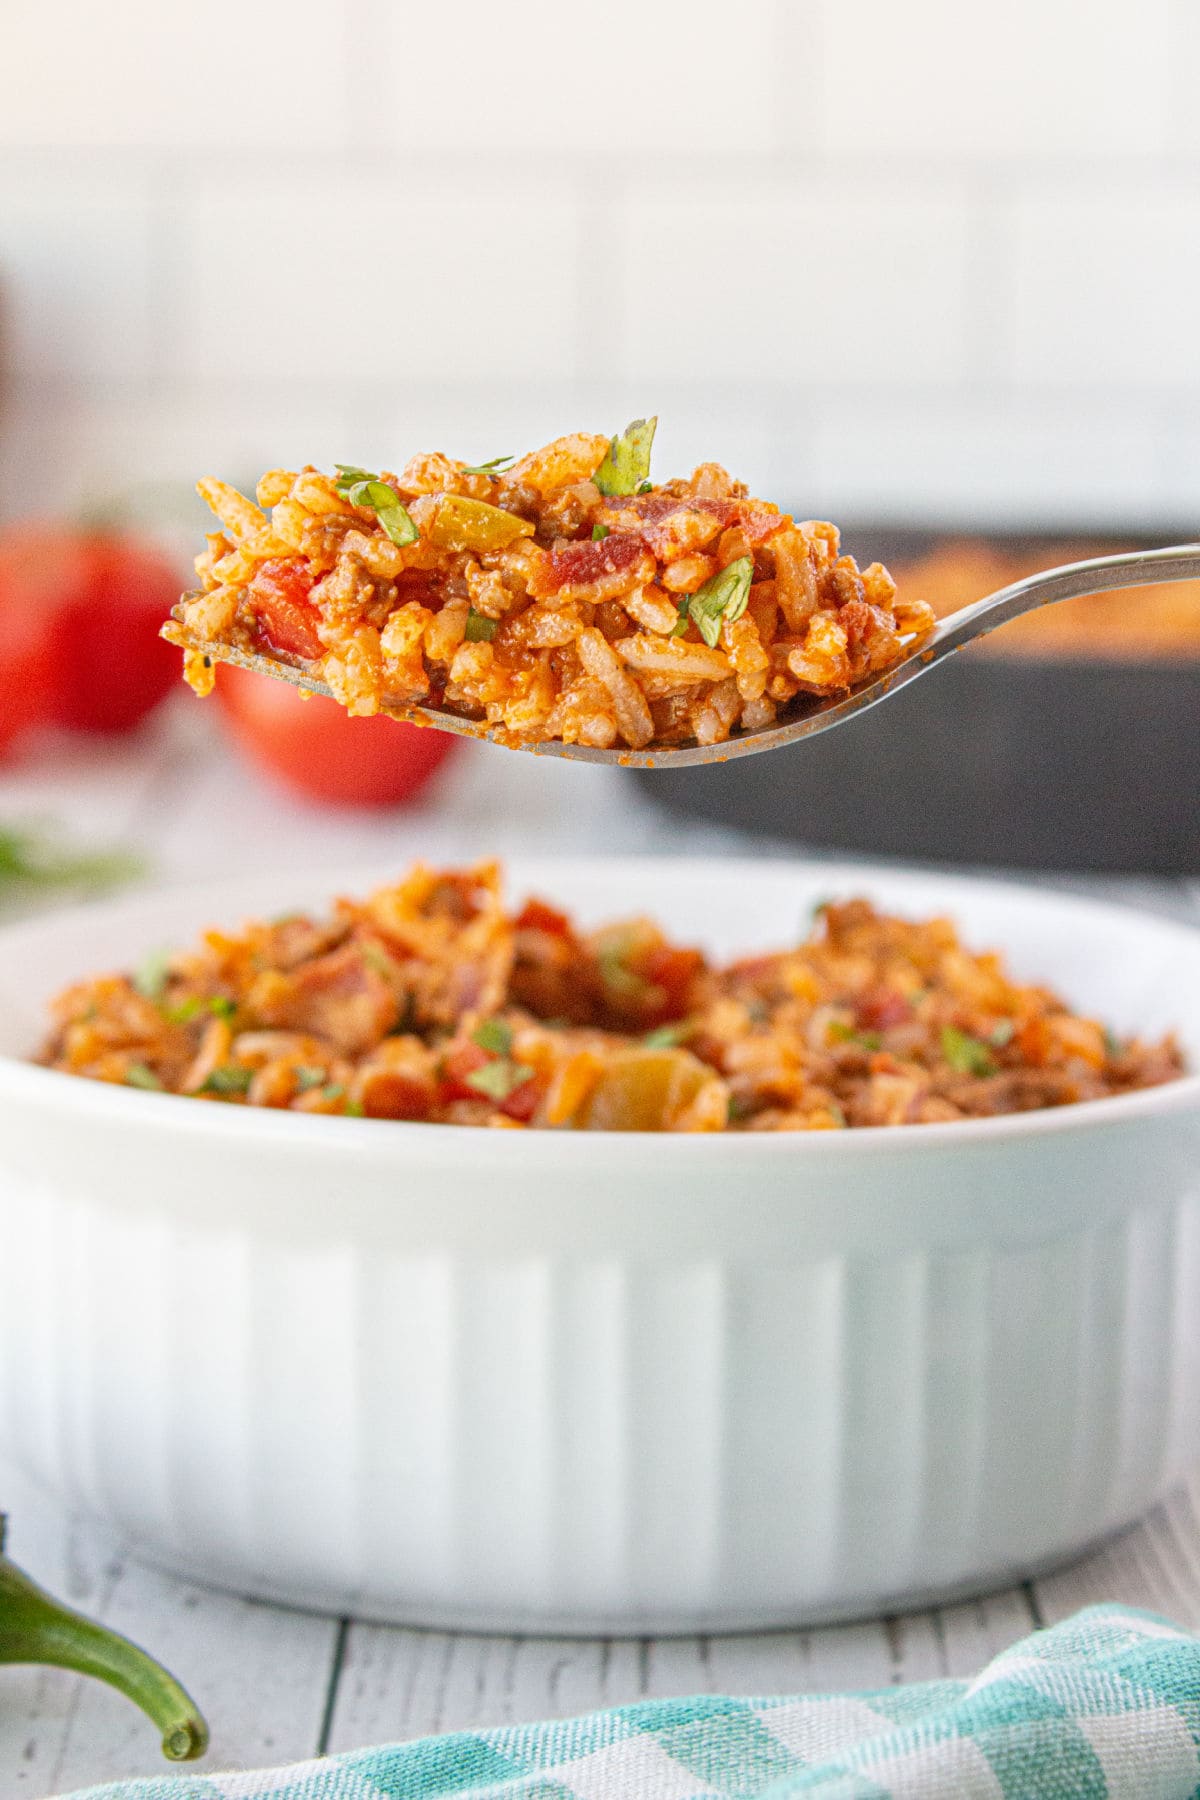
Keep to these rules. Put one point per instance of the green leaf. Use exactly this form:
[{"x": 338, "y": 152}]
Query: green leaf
[
  {"x": 599, "y": 533},
  {"x": 30, "y": 859},
  {"x": 497, "y": 466},
  {"x": 308, "y": 1077},
  {"x": 667, "y": 1037},
  {"x": 361, "y": 488},
  {"x": 626, "y": 465},
  {"x": 228, "y": 1078},
  {"x": 480, "y": 630},
  {"x": 138, "y": 1075},
  {"x": 493, "y": 1035},
  {"x": 497, "y": 1080},
  {"x": 967, "y": 1055},
  {"x": 724, "y": 597},
  {"x": 150, "y": 976}
]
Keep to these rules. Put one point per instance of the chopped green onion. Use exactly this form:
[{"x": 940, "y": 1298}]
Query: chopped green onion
[
  {"x": 497, "y": 1080},
  {"x": 666, "y": 1037},
  {"x": 967, "y": 1055},
  {"x": 679, "y": 629},
  {"x": 150, "y": 976},
  {"x": 723, "y": 598},
  {"x": 739, "y": 1108},
  {"x": 1001, "y": 1034},
  {"x": 493, "y": 1035},
  {"x": 227, "y": 1078},
  {"x": 139, "y": 1076},
  {"x": 599, "y": 533},
  {"x": 497, "y": 466},
  {"x": 480, "y": 630},
  {"x": 1113, "y": 1046},
  {"x": 335, "y": 1091},
  {"x": 361, "y": 488},
  {"x": 626, "y": 465},
  {"x": 308, "y": 1077},
  {"x": 355, "y": 1109}
]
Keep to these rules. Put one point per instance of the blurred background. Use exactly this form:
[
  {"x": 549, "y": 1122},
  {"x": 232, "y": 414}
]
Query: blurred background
[{"x": 928, "y": 270}]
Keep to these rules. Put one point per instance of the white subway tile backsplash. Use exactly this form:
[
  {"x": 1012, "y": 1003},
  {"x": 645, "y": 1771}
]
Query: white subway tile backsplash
[
  {"x": 1053, "y": 462},
  {"x": 1104, "y": 286},
  {"x": 74, "y": 276},
  {"x": 230, "y": 74},
  {"x": 817, "y": 281},
  {"x": 327, "y": 281},
  {"x": 1033, "y": 78},
  {"x": 620, "y": 82}
]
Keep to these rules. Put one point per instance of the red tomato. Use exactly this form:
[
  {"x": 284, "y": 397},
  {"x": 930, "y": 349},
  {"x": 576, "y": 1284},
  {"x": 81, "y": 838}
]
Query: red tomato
[
  {"x": 96, "y": 600},
  {"x": 28, "y": 583},
  {"x": 287, "y": 619},
  {"x": 316, "y": 748}
]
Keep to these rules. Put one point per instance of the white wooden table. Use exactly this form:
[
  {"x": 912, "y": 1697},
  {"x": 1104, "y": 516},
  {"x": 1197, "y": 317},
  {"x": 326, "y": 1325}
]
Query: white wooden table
[{"x": 280, "y": 1685}]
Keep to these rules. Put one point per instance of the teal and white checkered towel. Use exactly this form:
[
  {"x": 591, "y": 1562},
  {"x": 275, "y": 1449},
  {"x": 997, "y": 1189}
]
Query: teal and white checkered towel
[{"x": 1105, "y": 1706}]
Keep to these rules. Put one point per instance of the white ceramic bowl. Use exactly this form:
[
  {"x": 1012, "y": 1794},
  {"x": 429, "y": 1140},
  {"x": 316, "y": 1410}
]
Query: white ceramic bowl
[{"x": 621, "y": 1382}]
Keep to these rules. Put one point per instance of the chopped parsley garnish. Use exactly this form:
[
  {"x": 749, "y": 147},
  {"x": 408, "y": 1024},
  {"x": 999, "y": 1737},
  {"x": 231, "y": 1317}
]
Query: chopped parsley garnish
[
  {"x": 378, "y": 959},
  {"x": 967, "y": 1055},
  {"x": 480, "y": 630},
  {"x": 308, "y": 1077},
  {"x": 493, "y": 1035},
  {"x": 355, "y": 1109},
  {"x": 361, "y": 488},
  {"x": 615, "y": 972},
  {"x": 842, "y": 1033},
  {"x": 500, "y": 1079},
  {"x": 219, "y": 1005},
  {"x": 139, "y": 1076},
  {"x": 227, "y": 1078},
  {"x": 335, "y": 1091},
  {"x": 599, "y": 533},
  {"x": 150, "y": 976},
  {"x": 626, "y": 465},
  {"x": 667, "y": 1037},
  {"x": 723, "y": 598},
  {"x": 497, "y": 466}
]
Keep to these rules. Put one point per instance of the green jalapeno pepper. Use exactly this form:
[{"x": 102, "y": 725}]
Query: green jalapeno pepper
[{"x": 34, "y": 1628}]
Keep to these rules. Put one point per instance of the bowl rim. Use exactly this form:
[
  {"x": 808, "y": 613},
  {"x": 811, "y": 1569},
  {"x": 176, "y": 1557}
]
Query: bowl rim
[{"x": 22, "y": 1080}]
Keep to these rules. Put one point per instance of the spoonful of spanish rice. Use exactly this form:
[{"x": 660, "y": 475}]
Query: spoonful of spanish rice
[{"x": 563, "y": 602}]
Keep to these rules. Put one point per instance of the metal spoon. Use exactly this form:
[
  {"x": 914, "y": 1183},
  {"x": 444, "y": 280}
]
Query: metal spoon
[{"x": 1137, "y": 568}]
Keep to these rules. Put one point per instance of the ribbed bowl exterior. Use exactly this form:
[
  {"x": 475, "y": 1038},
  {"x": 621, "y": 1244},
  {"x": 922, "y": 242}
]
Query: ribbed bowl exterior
[{"x": 446, "y": 1387}]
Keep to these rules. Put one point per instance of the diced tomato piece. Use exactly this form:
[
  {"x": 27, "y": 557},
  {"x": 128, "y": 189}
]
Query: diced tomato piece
[
  {"x": 394, "y": 1094},
  {"x": 577, "y": 564},
  {"x": 460, "y": 1061},
  {"x": 673, "y": 971},
  {"x": 882, "y": 1007},
  {"x": 524, "y": 1101},
  {"x": 287, "y": 618},
  {"x": 535, "y": 915}
]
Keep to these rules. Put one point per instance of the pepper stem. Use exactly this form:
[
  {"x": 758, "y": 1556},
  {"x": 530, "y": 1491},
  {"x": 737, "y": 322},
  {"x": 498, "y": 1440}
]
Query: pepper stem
[{"x": 34, "y": 1628}]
